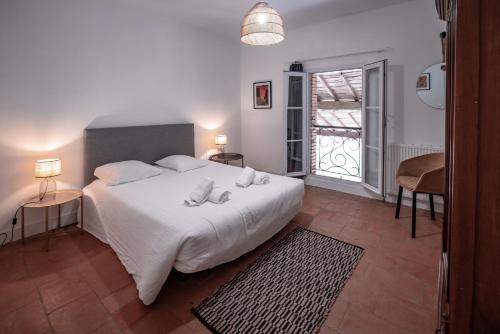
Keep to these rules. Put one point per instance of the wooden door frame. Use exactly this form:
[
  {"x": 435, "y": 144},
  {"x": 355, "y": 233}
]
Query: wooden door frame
[
  {"x": 470, "y": 231},
  {"x": 462, "y": 144}
]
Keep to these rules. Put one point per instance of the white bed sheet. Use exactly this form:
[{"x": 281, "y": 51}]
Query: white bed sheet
[{"x": 151, "y": 231}]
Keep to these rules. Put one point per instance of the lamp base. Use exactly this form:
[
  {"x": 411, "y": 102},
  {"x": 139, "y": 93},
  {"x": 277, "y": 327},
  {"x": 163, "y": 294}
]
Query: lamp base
[
  {"x": 47, "y": 188},
  {"x": 222, "y": 149}
]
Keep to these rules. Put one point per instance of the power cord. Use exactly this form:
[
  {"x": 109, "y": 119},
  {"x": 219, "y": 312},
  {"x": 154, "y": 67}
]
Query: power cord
[
  {"x": 5, "y": 236},
  {"x": 14, "y": 219}
]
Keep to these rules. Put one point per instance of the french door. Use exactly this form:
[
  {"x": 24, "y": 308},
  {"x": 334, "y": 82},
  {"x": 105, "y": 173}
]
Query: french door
[
  {"x": 373, "y": 124},
  {"x": 296, "y": 120}
]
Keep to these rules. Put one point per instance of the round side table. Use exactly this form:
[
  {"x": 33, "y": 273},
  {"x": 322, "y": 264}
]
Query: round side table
[
  {"x": 54, "y": 198},
  {"x": 226, "y": 157}
]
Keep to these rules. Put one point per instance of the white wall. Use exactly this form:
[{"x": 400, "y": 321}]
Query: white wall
[
  {"x": 69, "y": 64},
  {"x": 411, "y": 31}
]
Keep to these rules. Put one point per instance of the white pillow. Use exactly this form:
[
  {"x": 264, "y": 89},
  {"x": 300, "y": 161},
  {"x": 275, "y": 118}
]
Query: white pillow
[
  {"x": 125, "y": 171},
  {"x": 181, "y": 163}
]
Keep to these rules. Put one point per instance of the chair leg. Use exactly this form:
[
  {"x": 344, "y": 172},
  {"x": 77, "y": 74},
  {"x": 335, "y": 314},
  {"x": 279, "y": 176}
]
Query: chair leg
[
  {"x": 398, "y": 205},
  {"x": 413, "y": 215},
  {"x": 431, "y": 202}
]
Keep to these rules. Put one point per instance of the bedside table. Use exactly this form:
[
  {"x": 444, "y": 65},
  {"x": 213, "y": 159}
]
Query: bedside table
[
  {"x": 226, "y": 157},
  {"x": 55, "y": 198}
]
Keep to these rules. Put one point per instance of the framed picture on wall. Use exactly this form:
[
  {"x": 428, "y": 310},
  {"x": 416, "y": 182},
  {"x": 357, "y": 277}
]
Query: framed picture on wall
[
  {"x": 424, "y": 81},
  {"x": 262, "y": 95}
]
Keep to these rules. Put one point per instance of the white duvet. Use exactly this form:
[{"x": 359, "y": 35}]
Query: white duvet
[{"x": 151, "y": 230}]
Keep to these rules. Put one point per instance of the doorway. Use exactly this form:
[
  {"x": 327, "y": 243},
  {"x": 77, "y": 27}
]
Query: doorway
[
  {"x": 348, "y": 125},
  {"x": 336, "y": 126}
]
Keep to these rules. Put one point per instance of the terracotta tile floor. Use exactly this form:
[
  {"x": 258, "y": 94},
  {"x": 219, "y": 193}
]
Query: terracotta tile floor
[{"x": 79, "y": 286}]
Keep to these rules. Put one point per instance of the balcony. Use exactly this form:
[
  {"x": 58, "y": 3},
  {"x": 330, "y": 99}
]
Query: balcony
[{"x": 336, "y": 152}]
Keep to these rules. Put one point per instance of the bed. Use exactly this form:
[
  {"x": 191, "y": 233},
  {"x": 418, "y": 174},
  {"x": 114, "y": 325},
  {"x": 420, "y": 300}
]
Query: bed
[{"x": 148, "y": 226}]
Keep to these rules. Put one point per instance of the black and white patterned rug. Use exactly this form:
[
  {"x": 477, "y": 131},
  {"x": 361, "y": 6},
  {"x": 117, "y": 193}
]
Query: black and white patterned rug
[{"x": 288, "y": 289}]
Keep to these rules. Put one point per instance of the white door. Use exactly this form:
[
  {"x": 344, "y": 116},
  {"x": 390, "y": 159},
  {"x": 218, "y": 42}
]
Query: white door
[
  {"x": 373, "y": 120},
  {"x": 296, "y": 134}
]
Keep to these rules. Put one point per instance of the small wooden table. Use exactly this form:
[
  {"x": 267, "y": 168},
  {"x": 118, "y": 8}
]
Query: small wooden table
[
  {"x": 226, "y": 157},
  {"x": 58, "y": 197}
]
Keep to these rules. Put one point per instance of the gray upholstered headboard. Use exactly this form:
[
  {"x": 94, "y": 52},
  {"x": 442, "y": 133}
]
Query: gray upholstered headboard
[{"x": 144, "y": 143}]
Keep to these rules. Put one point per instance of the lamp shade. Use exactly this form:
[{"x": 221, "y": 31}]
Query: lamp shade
[
  {"x": 47, "y": 167},
  {"x": 262, "y": 25},
  {"x": 221, "y": 140}
]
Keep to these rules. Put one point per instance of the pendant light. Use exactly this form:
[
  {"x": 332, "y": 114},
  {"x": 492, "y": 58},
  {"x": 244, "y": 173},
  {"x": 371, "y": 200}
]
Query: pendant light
[{"x": 262, "y": 25}]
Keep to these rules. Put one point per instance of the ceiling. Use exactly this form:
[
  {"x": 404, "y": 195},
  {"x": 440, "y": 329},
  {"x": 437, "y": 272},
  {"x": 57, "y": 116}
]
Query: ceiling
[
  {"x": 338, "y": 97},
  {"x": 224, "y": 16}
]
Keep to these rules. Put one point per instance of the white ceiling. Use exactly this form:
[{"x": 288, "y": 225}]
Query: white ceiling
[{"x": 224, "y": 16}]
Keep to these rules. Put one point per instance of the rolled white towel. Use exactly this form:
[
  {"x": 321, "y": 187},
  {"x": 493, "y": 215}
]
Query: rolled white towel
[
  {"x": 246, "y": 178},
  {"x": 219, "y": 195},
  {"x": 200, "y": 194},
  {"x": 261, "y": 178}
]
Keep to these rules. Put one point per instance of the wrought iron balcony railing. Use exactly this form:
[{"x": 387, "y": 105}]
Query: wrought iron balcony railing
[{"x": 338, "y": 151}]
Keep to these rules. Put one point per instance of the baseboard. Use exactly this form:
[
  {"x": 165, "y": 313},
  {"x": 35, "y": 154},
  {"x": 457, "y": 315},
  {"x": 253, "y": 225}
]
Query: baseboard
[
  {"x": 356, "y": 188},
  {"x": 33, "y": 227},
  {"x": 422, "y": 202},
  {"x": 345, "y": 186}
]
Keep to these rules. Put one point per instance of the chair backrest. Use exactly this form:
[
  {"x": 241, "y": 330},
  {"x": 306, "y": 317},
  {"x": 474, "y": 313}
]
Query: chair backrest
[
  {"x": 432, "y": 161},
  {"x": 422, "y": 164}
]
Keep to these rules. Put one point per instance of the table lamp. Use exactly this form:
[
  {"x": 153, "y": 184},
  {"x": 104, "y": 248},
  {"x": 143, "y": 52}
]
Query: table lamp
[
  {"x": 46, "y": 169},
  {"x": 221, "y": 141}
]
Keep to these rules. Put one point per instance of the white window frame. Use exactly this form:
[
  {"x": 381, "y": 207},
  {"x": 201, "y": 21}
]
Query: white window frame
[
  {"x": 305, "y": 121},
  {"x": 382, "y": 65}
]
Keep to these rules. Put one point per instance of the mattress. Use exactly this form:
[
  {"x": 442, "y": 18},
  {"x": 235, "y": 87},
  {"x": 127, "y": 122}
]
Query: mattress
[{"x": 151, "y": 230}]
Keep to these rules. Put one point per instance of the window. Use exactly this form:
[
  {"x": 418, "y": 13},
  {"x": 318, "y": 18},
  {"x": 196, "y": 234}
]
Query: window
[{"x": 296, "y": 123}]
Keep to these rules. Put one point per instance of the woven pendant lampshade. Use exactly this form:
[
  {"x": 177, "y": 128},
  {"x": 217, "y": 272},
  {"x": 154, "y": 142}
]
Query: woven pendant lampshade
[{"x": 262, "y": 25}]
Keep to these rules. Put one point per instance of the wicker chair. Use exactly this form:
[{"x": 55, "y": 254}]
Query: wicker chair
[{"x": 421, "y": 175}]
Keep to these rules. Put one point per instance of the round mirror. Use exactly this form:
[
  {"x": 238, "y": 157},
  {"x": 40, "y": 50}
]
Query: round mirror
[{"x": 431, "y": 86}]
